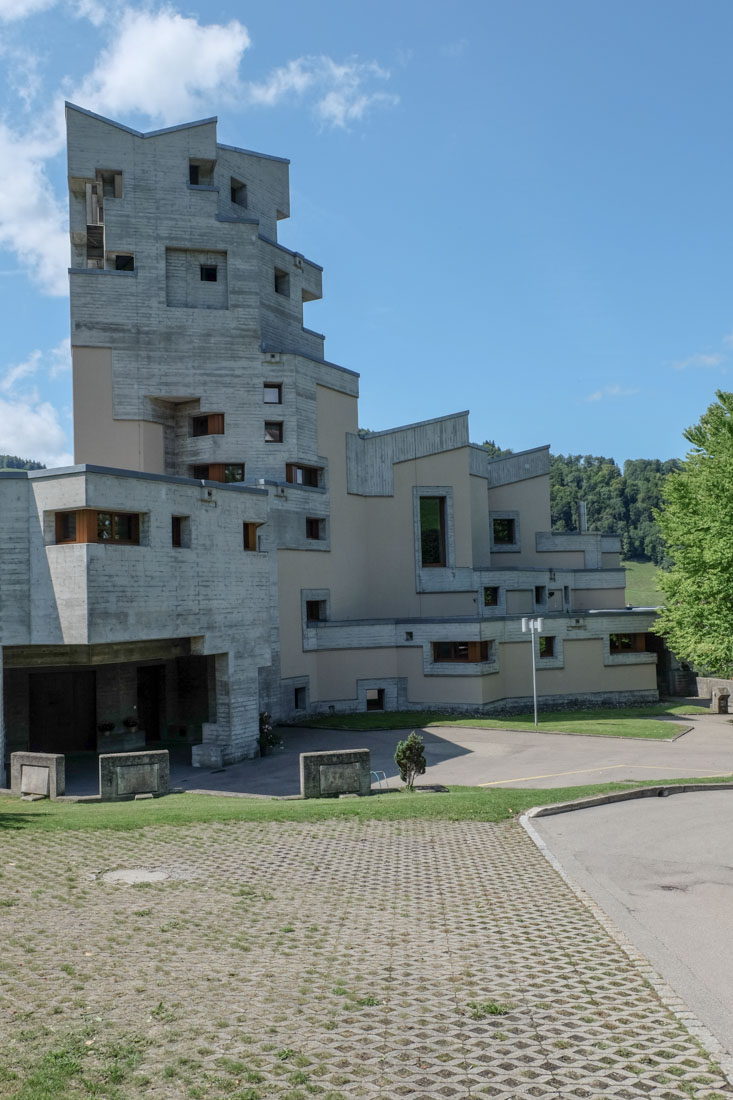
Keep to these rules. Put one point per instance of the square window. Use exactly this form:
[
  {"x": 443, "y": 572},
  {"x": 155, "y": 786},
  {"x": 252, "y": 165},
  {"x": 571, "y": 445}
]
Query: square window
[
  {"x": 282, "y": 282},
  {"x": 315, "y": 611},
  {"x": 272, "y": 393},
  {"x": 201, "y": 473},
  {"x": 432, "y": 531},
  {"x": 238, "y": 191},
  {"x": 313, "y": 528},
  {"x": 124, "y": 262},
  {"x": 209, "y": 273},
  {"x": 504, "y": 532},
  {"x": 234, "y": 472},
  {"x": 491, "y": 596},
  {"x": 273, "y": 431},
  {"x": 547, "y": 645},
  {"x": 375, "y": 699}
]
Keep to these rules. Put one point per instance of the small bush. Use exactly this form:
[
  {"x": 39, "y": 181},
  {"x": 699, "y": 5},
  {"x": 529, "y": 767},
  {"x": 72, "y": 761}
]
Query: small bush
[
  {"x": 410, "y": 759},
  {"x": 268, "y": 739}
]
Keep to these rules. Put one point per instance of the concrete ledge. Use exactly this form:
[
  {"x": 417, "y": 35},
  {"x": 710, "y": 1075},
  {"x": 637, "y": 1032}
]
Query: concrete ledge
[
  {"x": 126, "y": 774},
  {"x": 328, "y": 774},
  {"x": 659, "y": 790},
  {"x": 42, "y": 774}
]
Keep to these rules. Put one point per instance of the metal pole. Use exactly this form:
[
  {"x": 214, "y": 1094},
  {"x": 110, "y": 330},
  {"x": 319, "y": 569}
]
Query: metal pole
[{"x": 534, "y": 674}]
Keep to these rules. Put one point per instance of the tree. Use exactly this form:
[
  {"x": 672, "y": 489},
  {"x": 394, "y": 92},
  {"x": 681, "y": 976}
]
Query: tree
[
  {"x": 410, "y": 759},
  {"x": 696, "y": 520}
]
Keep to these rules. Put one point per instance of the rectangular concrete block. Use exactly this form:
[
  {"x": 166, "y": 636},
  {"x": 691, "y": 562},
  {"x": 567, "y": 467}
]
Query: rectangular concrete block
[
  {"x": 37, "y": 773},
  {"x": 206, "y": 756},
  {"x": 127, "y": 774},
  {"x": 329, "y": 774}
]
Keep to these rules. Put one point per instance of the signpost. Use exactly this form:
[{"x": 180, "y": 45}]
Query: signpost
[{"x": 533, "y": 626}]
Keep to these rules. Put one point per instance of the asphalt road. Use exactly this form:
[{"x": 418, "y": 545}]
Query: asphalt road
[{"x": 662, "y": 869}]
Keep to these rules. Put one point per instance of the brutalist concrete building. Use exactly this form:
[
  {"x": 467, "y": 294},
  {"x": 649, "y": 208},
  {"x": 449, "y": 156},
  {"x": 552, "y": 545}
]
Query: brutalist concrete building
[{"x": 229, "y": 542}]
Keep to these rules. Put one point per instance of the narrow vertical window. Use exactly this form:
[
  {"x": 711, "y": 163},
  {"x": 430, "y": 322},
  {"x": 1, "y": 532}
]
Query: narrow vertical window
[{"x": 432, "y": 530}]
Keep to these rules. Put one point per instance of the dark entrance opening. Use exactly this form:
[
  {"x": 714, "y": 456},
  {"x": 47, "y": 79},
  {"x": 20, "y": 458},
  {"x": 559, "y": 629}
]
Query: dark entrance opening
[
  {"x": 62, "y": 711},
  {"x": 151, "y": 700}
]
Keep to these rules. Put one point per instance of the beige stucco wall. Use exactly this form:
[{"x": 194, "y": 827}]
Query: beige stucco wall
[
  {"x": 583, "y": 599},
  {"x": 532, "y": 499},
  {"x": 584, "y": 671},
  {"x": 480, "y": 521},
  {"x": 99, "y": 439}
]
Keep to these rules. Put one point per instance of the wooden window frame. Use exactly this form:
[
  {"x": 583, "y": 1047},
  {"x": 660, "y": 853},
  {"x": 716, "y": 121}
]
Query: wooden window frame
[
  {"x": 216, "y": 471},
  {"x": 475, "y": 652},
  {"x": 314, "y": 523},
  {"x": 207, "y": 424},
  {"x": 638, "y": 644},
  {"x": 249, "y": 536},
  {"x": 87, "y": 527},
  {"x": 298, "y": 474}
]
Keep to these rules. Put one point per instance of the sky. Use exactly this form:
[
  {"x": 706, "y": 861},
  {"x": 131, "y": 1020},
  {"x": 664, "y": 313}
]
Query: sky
[{"x": 523, "y": 208}]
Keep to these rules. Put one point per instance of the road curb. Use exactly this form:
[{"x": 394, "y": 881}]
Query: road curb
[{"x": 667, "y": 995}]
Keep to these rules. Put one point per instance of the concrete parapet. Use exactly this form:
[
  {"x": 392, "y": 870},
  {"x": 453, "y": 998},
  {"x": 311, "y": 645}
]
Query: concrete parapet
[
  {"x": 126, "y": 774},
  {"x": 40, "y": 774},
  {"x": 328, "y": 774}
]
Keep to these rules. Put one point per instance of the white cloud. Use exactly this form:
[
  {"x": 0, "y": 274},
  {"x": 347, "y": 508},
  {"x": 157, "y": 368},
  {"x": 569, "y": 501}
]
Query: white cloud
[
  {"x": 20, "y": 9},
  {"x": 611, "y": 391},
  {"x": 31, "y": 429},
  {"x": 699, "y": 360},
  {"x": 14, "y": 374},
  {"x": 164, "y": 65},
  {"x": 340, "y": 89},
  {"x": 22, "y": 72}
]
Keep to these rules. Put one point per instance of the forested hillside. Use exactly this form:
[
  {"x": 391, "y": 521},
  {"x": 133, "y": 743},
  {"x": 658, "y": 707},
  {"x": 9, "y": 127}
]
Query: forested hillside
[
  {"x": 12, "y": 462},
  {"x": 618, "y": 502}
]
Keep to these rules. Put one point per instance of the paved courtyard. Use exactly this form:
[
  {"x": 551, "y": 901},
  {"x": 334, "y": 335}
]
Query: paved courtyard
[{"x": 340, "y": 959}]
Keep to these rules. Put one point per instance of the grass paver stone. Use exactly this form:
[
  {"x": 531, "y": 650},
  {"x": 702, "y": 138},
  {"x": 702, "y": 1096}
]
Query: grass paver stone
[{"x": 424, "y": 958}]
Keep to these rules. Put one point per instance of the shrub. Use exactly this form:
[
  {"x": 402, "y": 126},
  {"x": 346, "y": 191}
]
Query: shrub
[
  {"x": 268, "y": 739},
  {"x": 410, "y": 759}
]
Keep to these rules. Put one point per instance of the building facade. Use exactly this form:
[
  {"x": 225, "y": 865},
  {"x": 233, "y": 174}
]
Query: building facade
[{"x": 229, "y": 541}]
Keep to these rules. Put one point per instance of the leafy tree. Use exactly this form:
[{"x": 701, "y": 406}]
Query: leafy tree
[
  {"x": 410, "y": 759},
  {"x": 696, "y": 523},
  {"x": 494, "y": 451},
  {"x": 12, "y": 462}
]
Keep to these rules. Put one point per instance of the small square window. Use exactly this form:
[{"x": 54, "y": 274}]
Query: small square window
[
  {"x": 209, "y": 273},
  {"x": 273, "y": 431},
  {"x": 282, "y": 282},
  {"x": 272, "y": 393},
  {"x": 504, "y": 532},
  {"x": 491, "y": 596},
  {"x": 299, "y": 698},
  {"x": 547, "y": 645},
  {"x": 238, "y": 191},
  {"x": 375, "y": 699},
  {"x": 313, "y": 528},
  {"x": 408, "y": 635},
  {"x": 124, "y": 262},
  {"x": 315, "y": 611},
  {"x": 234, "y": 472}
]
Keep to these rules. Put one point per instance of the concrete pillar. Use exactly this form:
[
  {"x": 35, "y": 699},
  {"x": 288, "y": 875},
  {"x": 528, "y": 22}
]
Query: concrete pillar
[{"x": 233, "y": 735}]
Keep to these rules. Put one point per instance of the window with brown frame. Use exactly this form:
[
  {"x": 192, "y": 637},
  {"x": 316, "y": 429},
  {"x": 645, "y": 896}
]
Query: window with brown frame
[
  {"x": 313, "y": 527},
  {"x": 467, "y": 652},
  {"x": 432, "y": 531},
  {"x": 249, "y": 535},
  {"x": 90, "y": 525},
  {"x": 302, "y": 475},
  {"x": 273, "y": 431},
  {"x": 208, "y": 424},
  {"x": 219, "y": 471},
  {"x": 547, "y": 645},
  {"x": 627, "y": 643}
]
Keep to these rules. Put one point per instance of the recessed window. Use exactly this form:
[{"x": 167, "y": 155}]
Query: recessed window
[
  {"x": 540, "y": 594},
  {"x": 66, "y": 527},
  {"x": 90, "y": 525},
  {"x": 219, "y": 471},
  {"x": 273, "y": 431},
  {"x": 432, "y": 530},
  {"x": 504, "y": 532},
  {"x": 375, "y": 699},
  {"x": 124, "y": 261},
  {"x": 627, "y": 643},
  {"x": 210, "y": 424},
  {"x": 282, "y": 282},
  {"x": 249, "y": 536},
  {"x": 272, "y": 393},
  {"x": 299, "y": 698},
  {"x": 238, "y": 191},
  {"x": 302, "y": 475},
  {"x": 201, "y": 173},
  {"x": 193, "y": 174},
  {"x": 181, "y": 531},
  {"x": 491, "y": 596},
  {"x": 316, "y": 611},
  {"x": 111, "y": 184},
  {"x": 467, "y": 652},
  {"x": 209, "y": 273},
  {"x": 314, "y": 528},
  {"x": 547, "y": 645}
]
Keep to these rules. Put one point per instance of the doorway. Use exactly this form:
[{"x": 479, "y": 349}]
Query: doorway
[{"x": 151, "y": 700}]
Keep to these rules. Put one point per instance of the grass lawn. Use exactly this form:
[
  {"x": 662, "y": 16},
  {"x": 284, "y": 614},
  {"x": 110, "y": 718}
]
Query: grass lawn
[
  {"x": 641, "y": 584},
  {"x": 601, "y": 722},
  {"x": 459, "y": 804}
]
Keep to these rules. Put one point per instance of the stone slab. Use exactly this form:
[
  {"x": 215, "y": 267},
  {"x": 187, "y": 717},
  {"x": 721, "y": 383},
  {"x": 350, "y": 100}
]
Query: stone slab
[
  {"x": 126, "y": 774},
  {"x": 332, "y": 773},
  {"x": 206, "y": 756},
  {"x": 27, "y": 774}
]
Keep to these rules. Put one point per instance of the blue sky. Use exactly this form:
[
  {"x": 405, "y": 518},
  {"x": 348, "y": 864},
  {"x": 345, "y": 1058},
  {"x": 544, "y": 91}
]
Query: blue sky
[{"x": 523, "y": 208}]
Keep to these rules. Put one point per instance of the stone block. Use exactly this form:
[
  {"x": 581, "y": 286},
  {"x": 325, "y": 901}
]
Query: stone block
[
  {"x": 719, "y": 700},
  {"x": 37, "y": 773},
  {"x": 206, "y": 756},
  {"x": 329, "y": 774},
  {"x": 127, "y": 774}
]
